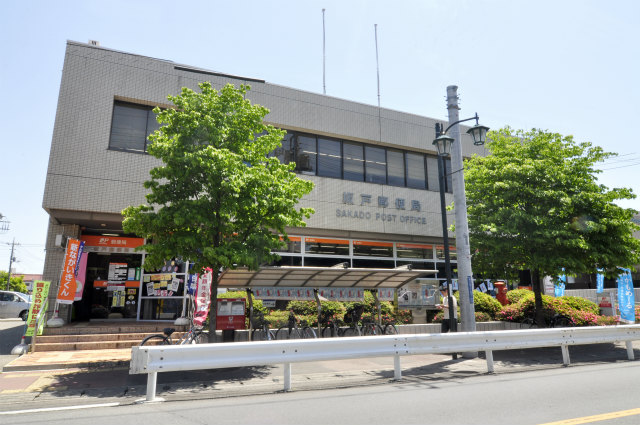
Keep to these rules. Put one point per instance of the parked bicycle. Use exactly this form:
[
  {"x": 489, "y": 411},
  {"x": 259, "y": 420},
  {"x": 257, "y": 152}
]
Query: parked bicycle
[
  {"x": 194, "y": 335},
  {"x": 352, "y": 317},
  {"x": 261, "y": 330},
  {"x": 292, "y": 331},
  {"x": 370, "y": 327},
  {"x": 330, "y": 327},
  {"x": 551, "y": 320}
]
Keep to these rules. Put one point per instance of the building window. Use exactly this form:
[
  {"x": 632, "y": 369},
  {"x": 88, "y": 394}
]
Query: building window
[
  {"x": 416, "y": 172},
  {"x": 373, "y": 249},
  {"x": 131, "y": 126},
  {"x": 375, "y": 165},
  {"x": 448, "y": 183},
  {"x": 285, "y": 152},
  {"x": 306, "y": 153},
  {"x": 395, "y": 167},
  {"x": 326, "y": 246},
  {"x": 353, "y": 161},
  {"x": 329, "y": 158}
]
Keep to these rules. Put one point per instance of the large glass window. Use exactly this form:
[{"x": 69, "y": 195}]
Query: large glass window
[
  {"x": 409, "y": 250},
  {"x": 306, "y": 153},
  {"x": 285, "y": 152},
  {"x": 373, "y": 249},
  {"x": 395, "y": 167},
  {"x": 416, "y": 173},
  {"x": 353, "y": 161},
  {"x": 329, "y": 158},
  {"x": 326, "y": 246},
  {"x": 376, "y": 165},
  {"x": 130, "y": 126},
  {"x": 449, "y": 176}
]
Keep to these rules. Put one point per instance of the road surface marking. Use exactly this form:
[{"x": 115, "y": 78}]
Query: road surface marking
[
  {"x": 596, "y": 418},
  {"x": 54, "y": 409}
]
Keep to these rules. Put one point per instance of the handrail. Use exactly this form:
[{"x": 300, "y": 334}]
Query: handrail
[{"x": 154, "y": 359}]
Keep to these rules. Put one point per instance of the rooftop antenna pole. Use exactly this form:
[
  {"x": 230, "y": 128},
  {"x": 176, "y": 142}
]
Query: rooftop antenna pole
[
  {"x": 375, "y": 27},
  {"x": 377, "y": 63},
  {"x": 324, "y": 58}
]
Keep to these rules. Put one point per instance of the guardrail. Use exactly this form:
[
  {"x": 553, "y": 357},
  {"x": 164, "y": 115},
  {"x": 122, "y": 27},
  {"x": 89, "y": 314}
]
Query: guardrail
[{"x": 154, "y": 359}]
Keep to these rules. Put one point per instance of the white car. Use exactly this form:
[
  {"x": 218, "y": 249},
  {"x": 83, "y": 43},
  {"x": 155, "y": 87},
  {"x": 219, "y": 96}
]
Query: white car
[{"x": 14, "y": 305}]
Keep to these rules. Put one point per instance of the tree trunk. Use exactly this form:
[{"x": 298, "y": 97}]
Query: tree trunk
[
  {"x": 537, "y": 291},
  {"x": 213, "y": 307}
]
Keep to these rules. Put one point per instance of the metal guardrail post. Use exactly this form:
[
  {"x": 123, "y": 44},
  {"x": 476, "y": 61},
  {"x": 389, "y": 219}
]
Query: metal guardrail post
[
  {"x": 630, "y": 355},
  {"x": 152, "y": 378},
  {"x": 287, "y": 376},
  {"x": 565, "y": 355},
  {"x": 489, "y": 355},
  {"x": 397, "y": 370}
]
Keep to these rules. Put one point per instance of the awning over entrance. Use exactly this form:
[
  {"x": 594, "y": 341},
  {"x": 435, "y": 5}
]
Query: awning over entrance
[{"x": 320, "y": 277}]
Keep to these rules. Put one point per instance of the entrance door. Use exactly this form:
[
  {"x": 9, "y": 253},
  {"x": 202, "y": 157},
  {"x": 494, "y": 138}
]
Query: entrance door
[{"x": 112, "y": 287}]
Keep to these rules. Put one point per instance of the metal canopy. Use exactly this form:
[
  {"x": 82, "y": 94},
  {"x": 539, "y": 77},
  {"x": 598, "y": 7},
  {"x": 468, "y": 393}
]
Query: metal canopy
[{"x": 319, "y": 277}]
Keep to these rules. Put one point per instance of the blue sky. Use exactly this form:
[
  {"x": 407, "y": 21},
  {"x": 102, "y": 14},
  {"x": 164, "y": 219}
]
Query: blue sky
[{"x": 567, "y": 66}]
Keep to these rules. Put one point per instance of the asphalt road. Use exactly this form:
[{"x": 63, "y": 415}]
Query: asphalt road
[
  {"x": 11, "y": 330},
  {"x": 531, "y": 397}
]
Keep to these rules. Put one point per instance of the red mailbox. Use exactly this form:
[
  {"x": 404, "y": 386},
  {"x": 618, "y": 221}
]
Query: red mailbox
[
  {"x": 501, "y": 292},
  {"x": 230, "y": 314}
]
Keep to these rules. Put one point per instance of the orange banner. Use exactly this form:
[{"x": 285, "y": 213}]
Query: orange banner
[
  {"x": 372, "y": 243},
  {"x": 413, "y": 245},
  {"x": 113, "y": 241},
  {"x": 67, "y": 290},
  {"x": 323, "y": 240}
]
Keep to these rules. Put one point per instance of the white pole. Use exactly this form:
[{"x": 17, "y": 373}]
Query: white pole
[
  {"x": 465, "y": 280},
  {"x": 287, "y": 376},
  {"x": 397, "y": 371},
  {"x": 489, "y": 356}
]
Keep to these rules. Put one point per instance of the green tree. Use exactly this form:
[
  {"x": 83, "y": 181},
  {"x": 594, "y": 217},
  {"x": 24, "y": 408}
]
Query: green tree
[
  {"x": 216, "y": 199},
  {"x": 16, "y": 284},
  {"x": 534, "y": 203}
]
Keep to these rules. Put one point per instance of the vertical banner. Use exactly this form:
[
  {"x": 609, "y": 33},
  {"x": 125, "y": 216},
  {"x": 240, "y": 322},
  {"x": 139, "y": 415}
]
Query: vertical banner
[
  {"x": 560, "y": 284},
  {"x": 81, "y": 275},
  {"x": 40, "y": 294},
  {"x": 600, "y": 281},
  {"x": 67, "y": 290},
  {"x": 202, "y": 297},
  {"x": 626, "y": 299}
]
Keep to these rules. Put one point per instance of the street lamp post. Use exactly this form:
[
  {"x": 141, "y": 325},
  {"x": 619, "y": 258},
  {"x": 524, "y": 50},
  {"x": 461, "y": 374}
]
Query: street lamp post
[{"x": 445, "y": 145}]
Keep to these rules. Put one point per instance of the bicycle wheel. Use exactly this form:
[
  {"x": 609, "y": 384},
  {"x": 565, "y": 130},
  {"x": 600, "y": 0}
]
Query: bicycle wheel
[
  {"x": 262, "y": 335},
  {"x": 308, "y": 333},
  {"x": 368, "y": 329},
  {"x": 528, "y": 323},
  {"x": 351, "y": 331},
  {"x": 562, "y": 322},
  {"x": 155, "y": 340},
  {"x": 196, "y": 337},
  {"x": 390, "y": 329},
  {"x": 329, "y": 332},
  {"x": 283, "y": 333}
]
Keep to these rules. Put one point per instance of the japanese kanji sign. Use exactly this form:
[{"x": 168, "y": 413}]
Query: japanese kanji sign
[{"x": 67, "y": 290}]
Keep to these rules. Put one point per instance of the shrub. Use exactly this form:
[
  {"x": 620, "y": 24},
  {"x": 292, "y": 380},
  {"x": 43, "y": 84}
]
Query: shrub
[
  {"x": 516, "y": 295},
  {"x": 582, "y": 304},
  {"x": 485, "y": 303},
  {"x": 481, "y": 316}
]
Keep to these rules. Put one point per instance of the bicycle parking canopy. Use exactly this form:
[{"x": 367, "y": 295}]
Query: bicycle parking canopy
[{"x": 338, "y": 283}]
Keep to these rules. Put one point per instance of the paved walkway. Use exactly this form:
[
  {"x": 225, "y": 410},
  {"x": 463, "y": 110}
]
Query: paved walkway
[{"x": 48, "y": 360}]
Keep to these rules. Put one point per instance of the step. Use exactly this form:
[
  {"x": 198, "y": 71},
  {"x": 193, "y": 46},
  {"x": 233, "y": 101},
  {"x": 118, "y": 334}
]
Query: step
[
  {"x": 111, "y": 329},
  {"x": 99, "y": 345},
  {"x": 138, "y": 336}
]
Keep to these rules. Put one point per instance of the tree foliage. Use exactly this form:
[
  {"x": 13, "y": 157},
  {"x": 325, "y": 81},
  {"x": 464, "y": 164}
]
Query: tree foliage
[
  {"x": 216, "y": 199},
  {"x": 16, "y": 283},
  {"x": 534, "y": 203}
]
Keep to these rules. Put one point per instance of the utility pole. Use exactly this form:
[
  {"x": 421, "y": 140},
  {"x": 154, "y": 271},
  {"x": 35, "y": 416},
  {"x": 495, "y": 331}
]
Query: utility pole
[
  {"x": 11, "y": 260},
  {"x": 465, "y": 279}
]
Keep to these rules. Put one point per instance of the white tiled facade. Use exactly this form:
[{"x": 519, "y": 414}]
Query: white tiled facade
[{"x": 88, "y": 184}]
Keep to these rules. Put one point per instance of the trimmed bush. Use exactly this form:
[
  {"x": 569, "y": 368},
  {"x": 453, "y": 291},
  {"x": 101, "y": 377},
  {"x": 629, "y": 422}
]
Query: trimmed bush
[
  {"x": 485, "y": 303},
  {"x": 582, "y": 304},
  {"x": 516, "y": 295}
]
